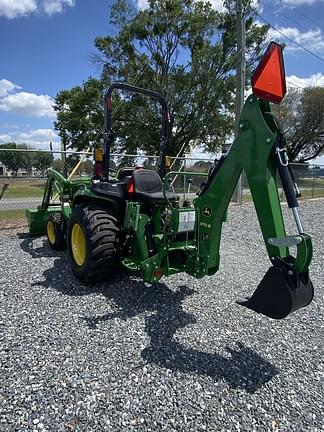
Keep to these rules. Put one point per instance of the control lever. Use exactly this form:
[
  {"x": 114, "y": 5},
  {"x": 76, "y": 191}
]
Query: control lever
[
  {"x": 171, "y": 189},
  {"x": 186, "y": 201}
]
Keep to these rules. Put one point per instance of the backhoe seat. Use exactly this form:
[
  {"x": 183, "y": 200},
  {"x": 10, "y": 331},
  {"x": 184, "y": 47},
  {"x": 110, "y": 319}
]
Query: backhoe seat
[{"x": 148, "y": 187}]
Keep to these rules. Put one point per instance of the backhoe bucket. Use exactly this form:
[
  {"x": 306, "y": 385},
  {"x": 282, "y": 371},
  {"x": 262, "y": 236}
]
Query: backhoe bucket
[{"x": 281, "y": 292}]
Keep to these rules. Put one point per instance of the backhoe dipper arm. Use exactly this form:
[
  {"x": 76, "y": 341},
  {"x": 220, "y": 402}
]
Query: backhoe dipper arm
[{"x": 255, "y": 150}]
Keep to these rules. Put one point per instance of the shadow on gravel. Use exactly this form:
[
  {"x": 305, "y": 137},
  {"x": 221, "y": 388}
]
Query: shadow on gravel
[
  {"x": 243, "y": 368},
  {"x": 27, "y": 245}
]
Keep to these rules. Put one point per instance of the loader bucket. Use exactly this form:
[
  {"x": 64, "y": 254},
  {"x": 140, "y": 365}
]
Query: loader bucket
[
  {"x": 281, "y": 292},
  {"x": 37, "y": 218}
]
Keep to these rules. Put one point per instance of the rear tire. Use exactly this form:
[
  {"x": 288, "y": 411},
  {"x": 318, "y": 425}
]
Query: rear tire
[
  {"x": 93, "y": 244},
  {"x": 56, "y": 231}
]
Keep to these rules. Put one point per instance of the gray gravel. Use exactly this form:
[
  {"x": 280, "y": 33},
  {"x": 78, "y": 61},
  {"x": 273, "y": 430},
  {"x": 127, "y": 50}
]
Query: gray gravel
[{"x": 179, "y": 356}]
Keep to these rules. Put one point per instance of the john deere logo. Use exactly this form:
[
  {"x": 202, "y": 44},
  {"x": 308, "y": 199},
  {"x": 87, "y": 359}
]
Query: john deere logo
[{"x": 207, "y": 211}]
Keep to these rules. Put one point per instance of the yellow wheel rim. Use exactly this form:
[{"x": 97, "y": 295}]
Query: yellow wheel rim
[
  {"x": 50, "y": 232},
  {"x": 78, "y": 244}
]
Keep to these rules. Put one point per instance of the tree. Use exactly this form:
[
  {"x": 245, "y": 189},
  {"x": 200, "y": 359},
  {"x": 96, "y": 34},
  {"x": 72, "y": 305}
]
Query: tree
[
  {"x": 302, "y": 118},
  {"x": 24, "y": 160},
  {"x": 14, "y": 160},
  {"x": 42, "y": 160},
  {"x": 80, "y": 114},
  {"x": 183, "y": 49}
]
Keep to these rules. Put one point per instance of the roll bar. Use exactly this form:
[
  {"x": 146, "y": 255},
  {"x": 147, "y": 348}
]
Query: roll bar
[{"x": 108, "y": 120}]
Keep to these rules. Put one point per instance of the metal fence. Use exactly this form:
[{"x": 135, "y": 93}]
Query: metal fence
[{"x": 23, "y": 175}]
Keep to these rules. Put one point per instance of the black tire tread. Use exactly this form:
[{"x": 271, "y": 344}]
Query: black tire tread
[
  {"x": 59, "y": 224},
  {"x": 102, "y": 237}
]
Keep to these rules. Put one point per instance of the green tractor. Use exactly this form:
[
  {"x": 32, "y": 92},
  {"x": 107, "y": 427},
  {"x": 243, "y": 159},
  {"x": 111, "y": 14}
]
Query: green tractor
[{"x": 134, "y": 219}]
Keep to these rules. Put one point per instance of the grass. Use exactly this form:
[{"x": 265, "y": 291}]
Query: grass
[
  {"x": 310, "y": 181},
  {"x": 305, "y": 193},
  {"x": 22, "y": 188},
  {"x": 12, "y": 214},
  {"x": 318, "y": 193}
]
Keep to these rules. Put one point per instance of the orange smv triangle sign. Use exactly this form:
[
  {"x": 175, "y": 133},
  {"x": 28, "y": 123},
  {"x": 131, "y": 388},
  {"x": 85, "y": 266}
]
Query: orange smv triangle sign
[{"x": 268, "y": 80}]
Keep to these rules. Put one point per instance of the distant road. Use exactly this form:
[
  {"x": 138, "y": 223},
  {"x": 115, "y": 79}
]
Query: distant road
[{"x": 19, "y": 203}]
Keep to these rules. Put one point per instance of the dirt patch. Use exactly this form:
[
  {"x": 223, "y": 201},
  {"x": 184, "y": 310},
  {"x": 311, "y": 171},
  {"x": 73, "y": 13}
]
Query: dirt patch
[{"x": 19, "y": 225}]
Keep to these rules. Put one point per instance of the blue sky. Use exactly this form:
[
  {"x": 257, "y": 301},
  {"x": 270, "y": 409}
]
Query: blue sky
[{"x": 46, "y": 46}]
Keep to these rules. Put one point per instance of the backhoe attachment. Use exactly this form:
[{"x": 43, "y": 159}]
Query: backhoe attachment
[{"x": 260, "y": 151}]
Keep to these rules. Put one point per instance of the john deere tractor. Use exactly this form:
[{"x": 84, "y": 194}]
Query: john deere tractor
[{"x": 134, "y": 219}]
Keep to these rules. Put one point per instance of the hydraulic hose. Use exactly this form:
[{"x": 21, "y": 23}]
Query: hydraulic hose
[{"x": 285, "y": 176}]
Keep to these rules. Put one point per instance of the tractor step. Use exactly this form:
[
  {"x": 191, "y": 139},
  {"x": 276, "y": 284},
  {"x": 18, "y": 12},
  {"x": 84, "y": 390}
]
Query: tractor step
[
  {"x": 287, "y": 241},
  {"x": 130, "y": 265}
]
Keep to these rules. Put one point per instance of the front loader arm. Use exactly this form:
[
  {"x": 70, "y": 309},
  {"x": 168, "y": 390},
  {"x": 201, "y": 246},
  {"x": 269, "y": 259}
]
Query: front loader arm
[
  {"x": 56, "y": 187},
  {"x": 55, "y": 183}
]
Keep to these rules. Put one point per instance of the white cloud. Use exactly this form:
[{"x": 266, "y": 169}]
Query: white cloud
[
  {"x": 6, "y": 87},
  {"x": 24, "y": 103},
  {"x": 311, "y": 39},
  {"x": 28, "y": 104},
  {"x": 315, "y": 80},
  {"x": 34, "y": 138},
  {"x": 56, "y": 6},
  {"x": 217, "y": 4},
  {"x": 5, "y": 138},
  {"x": 15, "y": 8},
  {"x": 299, "y": 2},
  {"x": 38, "y": 138},
  {"x": 38, "y": 134},
  {"x": 142, "y": 4}
]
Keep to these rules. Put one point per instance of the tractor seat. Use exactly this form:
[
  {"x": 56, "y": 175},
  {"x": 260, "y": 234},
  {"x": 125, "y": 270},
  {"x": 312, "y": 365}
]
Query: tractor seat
[
  {"x": 148, "y": 187},
  {"x": 124, "y": 172}
]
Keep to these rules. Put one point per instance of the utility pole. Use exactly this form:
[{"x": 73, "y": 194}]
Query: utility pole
[
  {"x": 52, "y": 154},
  {"x": 240, "y": 79}
]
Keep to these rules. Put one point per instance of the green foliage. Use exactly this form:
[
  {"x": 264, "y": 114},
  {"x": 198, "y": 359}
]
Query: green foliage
[
  {"x": 80, "y": 114},
  {"x": 302, "y": 117},
  {"x": 183, "y": 49},
  {"x": 15, "y": 160},
  {"x": 42, "y": 160},
  {"x": 11, "y": 159}
]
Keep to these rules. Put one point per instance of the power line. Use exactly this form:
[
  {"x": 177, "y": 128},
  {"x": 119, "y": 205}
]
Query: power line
[
  {"x": 305, "y": 16},
  {"x": 295, "y": 85},
  {"x": 301, "y": 14},
  {"x": 293, "y": 21},
  {"x": 291, "y": 40}
]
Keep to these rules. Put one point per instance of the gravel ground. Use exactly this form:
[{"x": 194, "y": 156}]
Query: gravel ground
[{"x": 179, "y": 356}]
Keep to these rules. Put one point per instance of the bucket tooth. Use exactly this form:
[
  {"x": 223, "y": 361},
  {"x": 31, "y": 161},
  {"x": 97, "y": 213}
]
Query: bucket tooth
[{"x": 281, "y": 292}]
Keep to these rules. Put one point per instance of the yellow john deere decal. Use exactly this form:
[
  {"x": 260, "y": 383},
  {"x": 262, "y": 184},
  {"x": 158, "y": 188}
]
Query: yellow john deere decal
[{"x": 207, "y": 211}]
